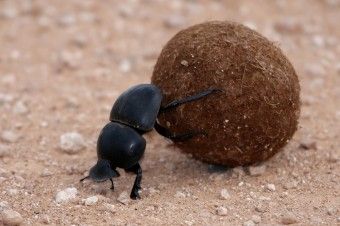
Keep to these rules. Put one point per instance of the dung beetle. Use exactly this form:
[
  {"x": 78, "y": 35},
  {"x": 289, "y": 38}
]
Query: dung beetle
[{"x": 121, "y": 144}]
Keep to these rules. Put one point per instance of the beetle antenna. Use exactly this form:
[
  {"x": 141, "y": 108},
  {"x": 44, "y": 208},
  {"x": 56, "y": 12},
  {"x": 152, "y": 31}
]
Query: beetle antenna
[{"x": 84, "y": 178}]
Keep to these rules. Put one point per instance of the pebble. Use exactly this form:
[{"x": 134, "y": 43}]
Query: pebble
[
  {"x": 174, "y": 21},
  {"x": 66, "y": 20},
  {"x": 8, "y": 13},
  {"x": 9, "y": 136},
  {"x": 90, "y": 201},
  {"x": 109, "y": 207},
  {"x": 224, "y": 194},
  {"x": 3, "y": 205},
  {"x": 256, "y": 219},
  {"x": 4, "y": 151},
  {"x": 257, "y": 170},
  {"x": 221, "y": 211},
  {"x": 125, "y": 66},
  {"x": 5, "y": 98},
  {"x": 308, "y": 144},
  {"x": 315, "y": 70},
  {"x": 72, "y": 143},
  {"x": 20, "y": 108},
  {"x": 11, "y": 217},
  {"x": 289, "y": 219},
  {"x": 271, "y": 187},
  {"x": 249, "y": 223},
  {"x": 66, "y": 195},
  {"x": 45, "y": 219},
  {"x": 12, "y": 191},
  {"x": 180, "y": 194},
  {"x": 67, "y": 59},
  {"x": 123, "y": 198},
  {"x": 288, "y": 26},
  {"x": 331, "y": 211},
  {"x": 290, "y": 185}
]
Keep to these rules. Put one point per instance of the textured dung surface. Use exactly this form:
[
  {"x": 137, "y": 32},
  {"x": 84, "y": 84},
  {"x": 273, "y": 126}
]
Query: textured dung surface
[
  {"x": 257, "y": 113},
  {"x": 64, "y": 63}
]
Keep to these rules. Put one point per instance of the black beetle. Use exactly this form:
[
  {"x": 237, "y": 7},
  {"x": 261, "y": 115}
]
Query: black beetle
[{"x": 120, "y": 143}]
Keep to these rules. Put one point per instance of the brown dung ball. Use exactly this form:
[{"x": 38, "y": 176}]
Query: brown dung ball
[{"x": 257, "y": 112}]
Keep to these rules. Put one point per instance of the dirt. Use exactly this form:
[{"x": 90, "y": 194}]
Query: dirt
[{"x": 62, "y": 65}]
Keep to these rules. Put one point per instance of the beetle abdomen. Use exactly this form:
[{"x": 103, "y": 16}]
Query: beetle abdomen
[
  {"x": 138, "y": 107},
  {"x": 120, "y": 144}
]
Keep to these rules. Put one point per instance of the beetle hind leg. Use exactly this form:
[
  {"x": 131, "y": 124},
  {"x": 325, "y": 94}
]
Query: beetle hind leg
[{"x": 136, "y": 185}]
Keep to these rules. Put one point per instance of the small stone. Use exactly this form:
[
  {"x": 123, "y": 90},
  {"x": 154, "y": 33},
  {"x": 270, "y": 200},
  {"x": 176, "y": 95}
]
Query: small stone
[
  {"x": 261, "y": 208},
  {"x": 271, "y": 187},
  {"x": 11, "y": 217},
  {"x": 221, "y": 211},
  {"x": 67, "y": 59},
  {"x": 125, "y": 66},
  {"x": 289, "y": 219},
  {"x": 90, "y": 201},
  {"x": 72, "y": 143},
  {"x": 20, "y": 108},
  {"x": 257, "y": 170},
  {"x": 290, "y": 185},
  {"x": 12, "y": 191},
  {"x": 5, "y": 98},
  {"x": 66, "y": 20},
  {"x": 331, "y": 211},
  {"x": 4, "y": 151},
  {"x": 288, "y": 26},
  {"x": 3, "y": 205},
  {"x": 315, "y": 70},
  {"x": 174, "y": 21},
  {"x": 318, "y": 41},
  {"x": 9, "y": 136},
  {"x": 123, "y": 198},
  {"x": 8, "y": 13},
  {"x": 66, "y": 195},
  {"x": 79, "y": 41},
  {"x": 45, "y": 219},
  {"x": 109, "y": 207},
  {"x": 249, "y": 223},
  {"x": 238, "y": 172},
  {"x": 180, "y": 194},
  {"x": 224, "y": 194},
  {"x": 256, "y": 219},
  {"x": 184, "y": 63},
  {"x": 308, "y": 144},
  {"x": 46, "y": 173}
]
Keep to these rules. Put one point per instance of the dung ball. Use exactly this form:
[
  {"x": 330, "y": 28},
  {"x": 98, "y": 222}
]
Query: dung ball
[{"x": 256, "y": 113}]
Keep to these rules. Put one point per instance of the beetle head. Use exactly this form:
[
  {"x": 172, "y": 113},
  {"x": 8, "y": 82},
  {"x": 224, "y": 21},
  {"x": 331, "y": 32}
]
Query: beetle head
[{"x": 100, "y": 172}]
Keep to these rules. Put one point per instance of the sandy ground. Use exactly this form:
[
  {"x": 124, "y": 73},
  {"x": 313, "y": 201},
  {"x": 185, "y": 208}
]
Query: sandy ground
[{"x": 62, "y": 65}]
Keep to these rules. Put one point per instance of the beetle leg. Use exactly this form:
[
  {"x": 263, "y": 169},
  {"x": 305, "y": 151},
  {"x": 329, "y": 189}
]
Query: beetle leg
[
  {"x": 175, "y": 137},
  {"x": 195, "y": 97},
  {"x": 136, "y": 186},
  {"x": 112, "y": 186}
]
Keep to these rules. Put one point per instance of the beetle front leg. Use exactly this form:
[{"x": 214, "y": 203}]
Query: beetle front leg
[
  {"x": 136, "y": 185},
  {"x": 185, "y": 100},
  {"x": 112, "y": 185},
  {"x": 176, "y": 137}
]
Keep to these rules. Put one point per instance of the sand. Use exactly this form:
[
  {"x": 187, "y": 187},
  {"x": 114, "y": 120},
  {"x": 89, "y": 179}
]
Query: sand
[{"x": 62, "y": 65}]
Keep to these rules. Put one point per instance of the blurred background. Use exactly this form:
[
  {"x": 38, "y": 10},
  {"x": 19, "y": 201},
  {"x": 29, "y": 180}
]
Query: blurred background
[{"x": 62, "y": 65}]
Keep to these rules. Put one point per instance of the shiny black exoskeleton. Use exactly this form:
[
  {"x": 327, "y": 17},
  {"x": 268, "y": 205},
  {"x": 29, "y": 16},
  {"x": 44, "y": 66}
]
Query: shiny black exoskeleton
[{"x": 120, "y": 143}]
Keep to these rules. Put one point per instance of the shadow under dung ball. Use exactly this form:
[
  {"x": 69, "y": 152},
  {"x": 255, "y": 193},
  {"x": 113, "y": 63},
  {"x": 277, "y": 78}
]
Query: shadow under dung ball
[{"x": 257, "y": 112}]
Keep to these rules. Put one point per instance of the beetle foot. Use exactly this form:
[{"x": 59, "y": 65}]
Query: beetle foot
[{"x": 134, "y": 195}]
